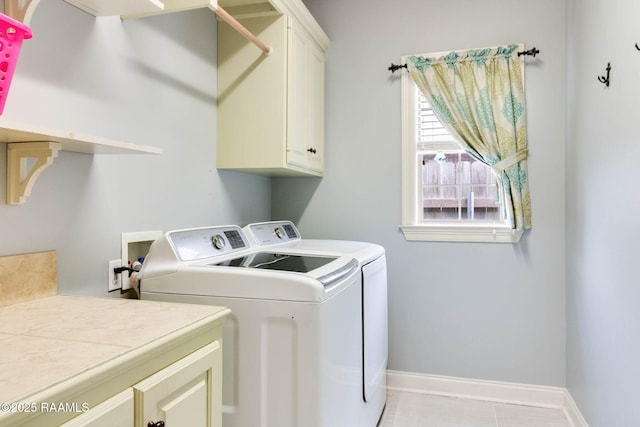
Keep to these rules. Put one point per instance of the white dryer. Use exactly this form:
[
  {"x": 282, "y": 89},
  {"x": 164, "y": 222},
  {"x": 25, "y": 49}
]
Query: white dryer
[
  {"x": 283, "y": 235},
  {"x": 293, "y": 342}
]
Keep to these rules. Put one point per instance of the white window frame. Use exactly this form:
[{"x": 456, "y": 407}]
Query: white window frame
[{"x": 435, "y": 231}]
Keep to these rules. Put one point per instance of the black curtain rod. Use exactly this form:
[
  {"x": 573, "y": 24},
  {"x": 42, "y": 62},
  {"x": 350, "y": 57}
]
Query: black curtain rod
[{"x": 531, "y": 52}]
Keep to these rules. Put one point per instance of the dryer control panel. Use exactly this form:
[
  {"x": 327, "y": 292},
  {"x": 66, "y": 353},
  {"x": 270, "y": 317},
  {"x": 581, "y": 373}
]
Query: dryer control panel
[
  {"x": 199, "y": 243},
  {"x": 272, "y": 233}
]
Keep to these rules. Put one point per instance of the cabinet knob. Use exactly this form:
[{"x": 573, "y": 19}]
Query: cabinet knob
[
  {"x": 311, "y": 150},
  {"x": 158, "y": 424}
]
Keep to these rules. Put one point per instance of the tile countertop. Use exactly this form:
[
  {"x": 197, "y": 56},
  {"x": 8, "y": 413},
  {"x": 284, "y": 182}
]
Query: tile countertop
[{"x": 48, "y": 341}]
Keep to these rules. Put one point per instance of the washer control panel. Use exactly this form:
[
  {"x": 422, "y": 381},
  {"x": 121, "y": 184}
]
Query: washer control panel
[
  {"x": 199, "y": 243},
  {"x": 272, "y": 233}
]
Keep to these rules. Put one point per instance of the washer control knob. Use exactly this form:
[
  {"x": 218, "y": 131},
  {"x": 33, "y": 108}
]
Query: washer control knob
[
  {"x": 218, "y": 241},
  {"x": 279, "y": 232}
]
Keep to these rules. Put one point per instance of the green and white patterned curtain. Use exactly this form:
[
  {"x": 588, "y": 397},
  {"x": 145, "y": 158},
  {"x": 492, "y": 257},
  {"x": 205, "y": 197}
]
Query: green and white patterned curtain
[{"x": 478, "y": 95}]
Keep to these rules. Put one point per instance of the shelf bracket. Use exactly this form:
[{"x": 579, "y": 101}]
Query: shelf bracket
[
  {"x": 20, "y": 10},
  {"x": 25, "y": 162}
]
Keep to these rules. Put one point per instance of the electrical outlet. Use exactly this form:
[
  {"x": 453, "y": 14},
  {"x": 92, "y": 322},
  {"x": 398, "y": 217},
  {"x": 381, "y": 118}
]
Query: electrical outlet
[{"x": 114, "y": 280}]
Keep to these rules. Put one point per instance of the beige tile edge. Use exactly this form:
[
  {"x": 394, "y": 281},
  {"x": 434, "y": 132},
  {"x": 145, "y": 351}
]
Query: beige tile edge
[
  {"x": 27, "y": 276},
  {"x": 493, "y": 391}
]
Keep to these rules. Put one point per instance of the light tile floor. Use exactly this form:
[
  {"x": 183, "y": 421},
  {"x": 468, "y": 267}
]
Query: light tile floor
[{"x": 422, "y": 410}]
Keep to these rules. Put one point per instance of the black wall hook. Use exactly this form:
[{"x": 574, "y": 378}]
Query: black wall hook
[
  {"x": 637, "y": 47},
  {"x": 603, "y": 79}
]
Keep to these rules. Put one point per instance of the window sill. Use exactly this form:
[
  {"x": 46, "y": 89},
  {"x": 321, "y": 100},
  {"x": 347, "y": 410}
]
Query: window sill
[{"x": 449, "y": 232}]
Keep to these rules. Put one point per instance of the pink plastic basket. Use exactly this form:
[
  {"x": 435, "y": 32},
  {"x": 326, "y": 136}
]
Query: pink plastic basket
[{"x": 12, "y": 33}]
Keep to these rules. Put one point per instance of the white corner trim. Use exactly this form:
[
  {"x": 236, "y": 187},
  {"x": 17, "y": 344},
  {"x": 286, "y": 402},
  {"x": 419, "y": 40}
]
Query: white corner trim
[
  {"x": 492, "y": 391},
  {"x": 572, "y": 412}
]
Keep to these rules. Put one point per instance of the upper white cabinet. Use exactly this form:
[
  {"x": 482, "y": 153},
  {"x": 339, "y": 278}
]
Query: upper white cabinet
[{"x": 271, "y": 108}]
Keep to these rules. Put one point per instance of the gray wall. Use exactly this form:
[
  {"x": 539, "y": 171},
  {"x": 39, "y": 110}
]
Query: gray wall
[
  {"x": 487, "y": 311},
  {"x": 603, "y": 320},
  {"x": 149, "y": 81}
]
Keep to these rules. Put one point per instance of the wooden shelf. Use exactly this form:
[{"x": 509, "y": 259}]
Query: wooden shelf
[{"x": 41, "y": 144}]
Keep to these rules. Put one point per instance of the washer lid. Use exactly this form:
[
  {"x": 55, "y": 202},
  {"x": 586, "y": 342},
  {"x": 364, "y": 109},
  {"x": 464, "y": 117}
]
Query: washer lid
[
  {"x": 291, "y": 263},
  {"x": 279, "y": 261}
]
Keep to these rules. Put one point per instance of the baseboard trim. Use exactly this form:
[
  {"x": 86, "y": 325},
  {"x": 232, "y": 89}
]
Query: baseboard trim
[
  {"x": 493, "y": 391},
  {"x": 572, "y": 412}
]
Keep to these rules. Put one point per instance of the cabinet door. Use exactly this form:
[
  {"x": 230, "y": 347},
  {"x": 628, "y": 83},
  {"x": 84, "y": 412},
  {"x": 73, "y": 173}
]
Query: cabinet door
[
  {"x": 114, "y": 412},
  {"x": 187, "y": 393},
  {"x": 316, "y": 106},
  {"x": 305, "y": 107}
]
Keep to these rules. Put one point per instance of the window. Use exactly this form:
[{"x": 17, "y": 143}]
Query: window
[
  {"x": 448, "y": 195},
  {"x": 455, "y": 186}
]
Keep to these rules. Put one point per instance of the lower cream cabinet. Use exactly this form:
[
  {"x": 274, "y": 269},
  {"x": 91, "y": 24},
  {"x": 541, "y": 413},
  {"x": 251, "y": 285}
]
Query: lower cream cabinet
[
  {"x": 186, "y": 393},
  {"x": 115, "y": 412},
  {"x": 93, "y": 373}
]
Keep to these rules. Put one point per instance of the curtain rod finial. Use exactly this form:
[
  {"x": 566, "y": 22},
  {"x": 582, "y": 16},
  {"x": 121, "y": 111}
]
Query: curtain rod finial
[
  {"x": 532, "y": 52},
  {"x": 395, "y": 67}
]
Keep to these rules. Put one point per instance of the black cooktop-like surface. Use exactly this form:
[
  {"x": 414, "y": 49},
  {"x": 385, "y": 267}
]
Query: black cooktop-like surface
[{"x": 278, "y": 261}]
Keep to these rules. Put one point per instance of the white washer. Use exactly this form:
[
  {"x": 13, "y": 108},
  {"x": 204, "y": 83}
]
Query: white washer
[
  {"x": 283, "y": 235},
  {"x": 293, "y": 342}
]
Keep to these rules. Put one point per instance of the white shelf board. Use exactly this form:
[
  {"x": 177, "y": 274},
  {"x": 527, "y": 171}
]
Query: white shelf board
[
  {"x": 11, "y": 132},
  {"x": 117, "y": 7},
  {"x": 171, "y": 6}
]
